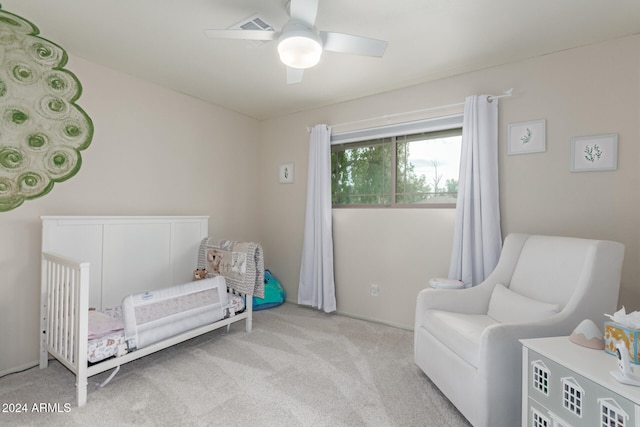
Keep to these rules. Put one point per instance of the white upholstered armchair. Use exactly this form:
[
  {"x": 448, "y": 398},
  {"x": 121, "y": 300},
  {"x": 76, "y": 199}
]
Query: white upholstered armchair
[{"x": 466, "y": 341}]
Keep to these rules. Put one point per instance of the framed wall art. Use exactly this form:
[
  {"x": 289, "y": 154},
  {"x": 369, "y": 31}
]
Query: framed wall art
[
  {"x": 594, "y": 153},
  {"x": 527, "y": 137},
  {"x": 286, "y": 173},
  {"x": 42, "y": 129}
]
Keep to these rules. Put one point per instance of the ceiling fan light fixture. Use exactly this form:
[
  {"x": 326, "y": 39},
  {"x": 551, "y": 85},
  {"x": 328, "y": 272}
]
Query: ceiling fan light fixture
[{"x": 300, "y": 49}]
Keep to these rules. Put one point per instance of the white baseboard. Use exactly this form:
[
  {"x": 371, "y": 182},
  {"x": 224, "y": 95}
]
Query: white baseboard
[
  {"x": 20, "y": 368},
  {"x": 365, "y": 318}
]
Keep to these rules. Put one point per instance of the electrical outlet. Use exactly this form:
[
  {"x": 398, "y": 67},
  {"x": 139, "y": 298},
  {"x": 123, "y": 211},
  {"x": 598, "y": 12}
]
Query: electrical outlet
[{"x": 375, "y": 290}]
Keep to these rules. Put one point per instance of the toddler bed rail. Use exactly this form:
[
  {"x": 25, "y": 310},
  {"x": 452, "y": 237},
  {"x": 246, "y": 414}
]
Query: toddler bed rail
[{"x": 64, "y": 321}]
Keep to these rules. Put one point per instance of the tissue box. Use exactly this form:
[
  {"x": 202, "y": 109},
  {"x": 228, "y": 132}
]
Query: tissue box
[{"x": 614, "y": 332}]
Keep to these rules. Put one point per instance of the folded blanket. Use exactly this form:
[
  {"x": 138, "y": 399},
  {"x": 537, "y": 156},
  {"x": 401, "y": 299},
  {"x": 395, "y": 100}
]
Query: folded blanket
[
  {"x": 241, "y": 264},
  {"x": 101, "y": 324}
]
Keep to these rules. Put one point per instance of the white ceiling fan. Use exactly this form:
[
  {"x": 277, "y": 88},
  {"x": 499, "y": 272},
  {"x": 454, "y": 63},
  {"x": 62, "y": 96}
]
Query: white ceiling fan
[{"x": 300, "y": 44}]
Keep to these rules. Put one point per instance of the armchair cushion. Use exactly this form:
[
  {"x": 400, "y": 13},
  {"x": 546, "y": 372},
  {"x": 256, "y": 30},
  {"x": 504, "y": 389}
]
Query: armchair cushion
[{"x": 507, "y": 306}]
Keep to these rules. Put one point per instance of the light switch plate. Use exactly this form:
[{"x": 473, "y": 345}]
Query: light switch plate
[{"x": 286, "y": 174}]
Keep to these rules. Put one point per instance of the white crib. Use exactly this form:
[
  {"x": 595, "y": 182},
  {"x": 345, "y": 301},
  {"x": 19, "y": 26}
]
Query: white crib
[{"x": 111, "y": 245}]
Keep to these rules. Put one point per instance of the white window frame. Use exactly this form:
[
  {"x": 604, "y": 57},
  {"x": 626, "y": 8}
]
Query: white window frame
[
  {"x": 428, "y": 125},
  {"x": 435, "y": 124},
  {"x": 612, "y": 407},
  {"x": 538, "y": 370},
  {"x": 556, "y": 421},
  {"x": 570, "y": 400},
  {"x": 538, "y": 419}
]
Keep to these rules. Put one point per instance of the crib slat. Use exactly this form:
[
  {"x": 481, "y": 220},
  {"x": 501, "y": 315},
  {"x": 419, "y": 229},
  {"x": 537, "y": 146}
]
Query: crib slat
[
  {"x": 61, "y": 308},
  {"x": 64, "y": 313},
  {"x": 55, "y": 306},
  {"x": 69, "y": 326},
  {"x": 49, "y": 285},
  {"x": 72, "y": 316}
]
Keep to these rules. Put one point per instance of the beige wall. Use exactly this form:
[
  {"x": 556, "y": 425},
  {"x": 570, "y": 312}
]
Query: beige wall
[
  {"x": 155, "y": 152},
  {"x": 398, "y": 250},
  {"x": 585, "y": 91}
]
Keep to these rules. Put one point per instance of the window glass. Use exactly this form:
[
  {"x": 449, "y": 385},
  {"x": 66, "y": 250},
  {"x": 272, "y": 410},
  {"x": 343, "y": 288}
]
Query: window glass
[
  {"x": 427, "y": 167},
  {"x": 419, "y": 169},
  {"x": 361, "y": 173}
]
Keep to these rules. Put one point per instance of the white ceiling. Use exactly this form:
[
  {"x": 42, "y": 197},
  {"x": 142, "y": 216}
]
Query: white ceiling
[{"x": 162, "y": 41}]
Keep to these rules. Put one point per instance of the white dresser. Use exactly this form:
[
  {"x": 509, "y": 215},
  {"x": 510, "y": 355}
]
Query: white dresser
[{"x": 564, "y": 384}]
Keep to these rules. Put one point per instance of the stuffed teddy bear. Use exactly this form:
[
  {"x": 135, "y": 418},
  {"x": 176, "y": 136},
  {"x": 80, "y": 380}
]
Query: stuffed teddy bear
[{"x": 199, "y": 273}]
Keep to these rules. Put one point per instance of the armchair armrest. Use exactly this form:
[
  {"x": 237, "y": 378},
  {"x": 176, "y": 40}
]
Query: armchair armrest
[
  {"x": 474, "y": 300},
  {"x": 500, "y": 362},
  {"x": 500, "y": 348},
  {"x": 470, "y": 300}
]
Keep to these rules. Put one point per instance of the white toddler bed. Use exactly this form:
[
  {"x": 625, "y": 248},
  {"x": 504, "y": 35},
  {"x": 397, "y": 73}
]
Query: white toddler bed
[{"x": 171, "y": 246}]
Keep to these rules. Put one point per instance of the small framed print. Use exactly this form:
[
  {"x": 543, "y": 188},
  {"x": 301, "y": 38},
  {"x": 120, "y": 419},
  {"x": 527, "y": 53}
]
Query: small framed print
[
  {"x": 594, "y": 153},
  {"x": 286, "y": 173},
  {"x": 527, "y": 137}
]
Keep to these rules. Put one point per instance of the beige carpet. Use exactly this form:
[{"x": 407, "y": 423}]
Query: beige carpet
[{"x": 299, "y": 367}]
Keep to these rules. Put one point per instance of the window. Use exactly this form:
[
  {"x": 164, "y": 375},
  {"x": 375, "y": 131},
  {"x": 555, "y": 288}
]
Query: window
[
  {"x": 572, "y": 396},
  {"x": 539, "y": 420},
  {"x": 540, "y": 377},
  {"x": 398, "y": 167},
  {"x": 556, "y": 421},
  {"x": 611, "y": 414}
]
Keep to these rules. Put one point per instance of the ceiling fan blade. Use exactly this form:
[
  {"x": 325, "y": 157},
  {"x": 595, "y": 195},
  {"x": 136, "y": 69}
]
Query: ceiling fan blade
[
  {"x": 355, "y": 45},
  {"x": 242, "y": 34},
  {"x": 294, "y": 75},
  {"x": 304, "y": 10}
]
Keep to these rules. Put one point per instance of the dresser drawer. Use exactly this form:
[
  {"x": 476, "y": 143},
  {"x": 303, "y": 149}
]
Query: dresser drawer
[{"x": 559, "y": 396}]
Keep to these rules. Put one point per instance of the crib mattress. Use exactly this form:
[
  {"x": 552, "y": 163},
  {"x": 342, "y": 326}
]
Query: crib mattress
[
  {"x": 104, "y": 347},
  {"x": 107, "y": 345}
]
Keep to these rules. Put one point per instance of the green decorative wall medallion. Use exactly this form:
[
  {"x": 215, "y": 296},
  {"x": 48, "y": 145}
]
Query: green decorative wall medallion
[{"x": 42, "y": 130}]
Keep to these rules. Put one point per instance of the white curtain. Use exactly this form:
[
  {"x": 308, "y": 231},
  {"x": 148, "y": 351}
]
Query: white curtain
[
  {"x": 477, "y": 240},
  {"x": 317, "y": 287}
]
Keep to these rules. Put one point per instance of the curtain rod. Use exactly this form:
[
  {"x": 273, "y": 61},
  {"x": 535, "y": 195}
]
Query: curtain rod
[{"x": 506, "y": 94}]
